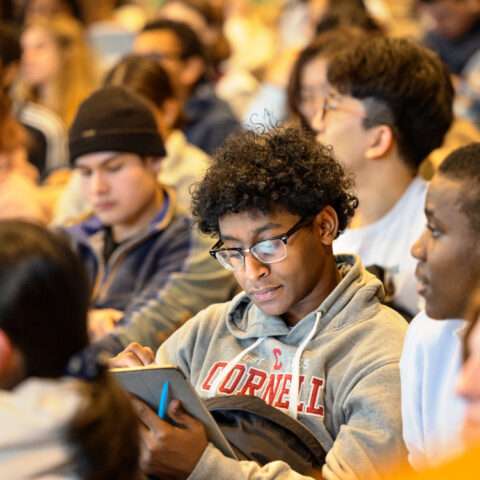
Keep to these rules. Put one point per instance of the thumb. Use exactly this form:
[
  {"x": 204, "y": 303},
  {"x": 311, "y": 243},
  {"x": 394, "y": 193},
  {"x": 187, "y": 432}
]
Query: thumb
[{"x": 180, "y": 416}]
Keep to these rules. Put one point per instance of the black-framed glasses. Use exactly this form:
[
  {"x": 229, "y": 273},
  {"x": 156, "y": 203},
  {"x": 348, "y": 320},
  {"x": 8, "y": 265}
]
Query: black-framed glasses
[
  {"x": 270, "y": 250},
  {"x": 329, "y": 105}
]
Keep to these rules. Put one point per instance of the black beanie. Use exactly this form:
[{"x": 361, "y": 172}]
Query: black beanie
[{"x": 115, "y": 119}]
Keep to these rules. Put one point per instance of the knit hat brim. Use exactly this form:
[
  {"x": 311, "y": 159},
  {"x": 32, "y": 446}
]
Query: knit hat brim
[{"x": 141, "y": 143}]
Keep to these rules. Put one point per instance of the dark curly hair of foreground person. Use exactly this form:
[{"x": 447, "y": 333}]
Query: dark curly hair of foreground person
[{"x": 283, "y": 168}]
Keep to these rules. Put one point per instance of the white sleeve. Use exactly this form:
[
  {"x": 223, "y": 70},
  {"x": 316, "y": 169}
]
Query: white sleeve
[{"x": 412, "y": 364}]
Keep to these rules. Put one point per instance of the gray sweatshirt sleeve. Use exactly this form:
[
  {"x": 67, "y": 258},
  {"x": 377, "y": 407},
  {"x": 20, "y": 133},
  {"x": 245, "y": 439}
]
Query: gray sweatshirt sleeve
[
  {"x": 213, "y": 464},
  {"x": 369, "y": 442}
]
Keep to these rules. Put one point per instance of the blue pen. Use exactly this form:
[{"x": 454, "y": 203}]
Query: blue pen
[{"x": 163, "y": 400}]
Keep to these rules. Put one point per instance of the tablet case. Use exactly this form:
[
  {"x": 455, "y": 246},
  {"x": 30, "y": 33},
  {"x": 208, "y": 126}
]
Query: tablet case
[{"x": 147, "y": 383}]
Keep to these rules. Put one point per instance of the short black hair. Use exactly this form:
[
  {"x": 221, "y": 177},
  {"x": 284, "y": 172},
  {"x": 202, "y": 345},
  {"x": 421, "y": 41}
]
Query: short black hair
[
  {"x": 144, "y": 75},
  {"x": 284, "y": 168},
  {"x": 190, "y": 43},
  {"x": 409, "y": 88},
  {"x": 45, "y": 297},
  {"x": 463, "y": 165}
]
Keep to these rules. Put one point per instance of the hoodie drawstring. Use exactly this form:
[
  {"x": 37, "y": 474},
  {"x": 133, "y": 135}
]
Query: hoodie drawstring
[
  {"x": 294, "y": 390},
  {"x": 229, "y": 367},
  {"x": 293, "y": 404}
]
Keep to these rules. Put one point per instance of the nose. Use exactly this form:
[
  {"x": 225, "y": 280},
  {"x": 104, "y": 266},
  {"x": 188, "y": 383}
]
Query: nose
[
  {"x": 98, "y": 183},
  {"x": 418, "y": 248},
  {"x": 255, "y": 269},
  {"x": 318, "y": 121}
]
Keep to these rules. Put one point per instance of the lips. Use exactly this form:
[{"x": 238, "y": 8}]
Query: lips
[
  {"x": 422, "y": 282},
  {"x": 263, "y": 294},
  {"x": 104, "y": 205}
]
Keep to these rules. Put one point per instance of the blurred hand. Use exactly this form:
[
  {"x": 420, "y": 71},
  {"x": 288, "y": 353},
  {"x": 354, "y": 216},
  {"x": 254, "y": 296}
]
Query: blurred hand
[
  {"x": 166, "y": 451},
  {"x": 102, "y": 321}
]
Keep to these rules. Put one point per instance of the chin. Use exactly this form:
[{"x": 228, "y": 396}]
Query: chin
[{"x": 438, "y": 313}]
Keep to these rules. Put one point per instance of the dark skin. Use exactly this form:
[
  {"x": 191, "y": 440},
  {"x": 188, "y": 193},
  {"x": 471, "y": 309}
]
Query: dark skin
[{"x": 166, "y": 451}]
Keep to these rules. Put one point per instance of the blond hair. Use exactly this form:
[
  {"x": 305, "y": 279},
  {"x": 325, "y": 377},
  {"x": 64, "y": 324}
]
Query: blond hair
[{"x": 77, "y": 75}]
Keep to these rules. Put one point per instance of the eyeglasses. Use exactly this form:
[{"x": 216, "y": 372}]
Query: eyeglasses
[
  {"x": 267, "y": 251},
  {"x": 328, "y": 105}
]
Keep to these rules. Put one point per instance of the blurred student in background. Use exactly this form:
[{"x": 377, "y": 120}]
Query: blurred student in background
[
  {"x": 57, "y": 68},
  {"x": 62, "y": 415}
]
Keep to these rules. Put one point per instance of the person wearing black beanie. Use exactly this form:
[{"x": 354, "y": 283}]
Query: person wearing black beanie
[{"x": 140, "y": 249}]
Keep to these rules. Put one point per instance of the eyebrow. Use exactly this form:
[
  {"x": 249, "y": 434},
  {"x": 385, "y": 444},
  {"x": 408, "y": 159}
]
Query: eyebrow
[
  {"x": 257, "y": 231},
  {"x": 103, "y": 162},
  {"x": 429, "y": 213}
]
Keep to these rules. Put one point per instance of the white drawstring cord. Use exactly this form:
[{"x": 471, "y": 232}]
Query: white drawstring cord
[
  {"x": 293, "y": 404},
  {"x": 230, "y": 365}
]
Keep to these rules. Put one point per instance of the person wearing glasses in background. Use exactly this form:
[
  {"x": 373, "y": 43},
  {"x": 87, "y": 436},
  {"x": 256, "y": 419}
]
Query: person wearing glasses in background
[
  {"x": 389, "y": 105},
  {"x": 308, "y": 333}
]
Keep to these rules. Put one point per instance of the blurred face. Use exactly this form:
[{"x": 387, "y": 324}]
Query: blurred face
[
  {"x": 451, "y": 18},
  {"x": 164, "y": 45},
  {"x": 447, "y": 252},
  {"x": 340, "y": 124},
  {"x": 292, "y": 287},
  {"x": 120, "y": 187},
  {"x": 468, "y": 385},
  {"x": 313, "y": 88},
  {"x": 40, "y": 61}
]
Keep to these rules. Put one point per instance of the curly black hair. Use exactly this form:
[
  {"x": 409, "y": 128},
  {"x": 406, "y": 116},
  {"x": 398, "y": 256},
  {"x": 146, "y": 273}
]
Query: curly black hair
[{"x": 284, "y": 168}]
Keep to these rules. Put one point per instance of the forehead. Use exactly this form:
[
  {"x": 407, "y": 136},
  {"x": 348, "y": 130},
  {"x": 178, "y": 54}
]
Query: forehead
[
  {"x": 157, "y": 41},
  {"x": 251, "y": 220},
  {"x": 444, "y": 203},
  {"x": 315, "y": 70},
  {"x": 95, "y": 159},
  {"x": 34, "y": 33},
  {"x": 444, "y": 194}
]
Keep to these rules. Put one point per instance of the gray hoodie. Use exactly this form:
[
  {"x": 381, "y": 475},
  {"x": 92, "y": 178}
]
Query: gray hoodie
[{"x": 342, "y": 359}]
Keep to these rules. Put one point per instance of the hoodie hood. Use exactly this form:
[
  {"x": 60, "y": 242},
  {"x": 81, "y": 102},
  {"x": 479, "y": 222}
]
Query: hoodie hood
[{"x": 356, "y": 297}]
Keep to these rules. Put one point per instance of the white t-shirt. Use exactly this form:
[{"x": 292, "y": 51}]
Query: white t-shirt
[
  {"x": 387, "y": 243},
  {"x": 432, "y": 412}
]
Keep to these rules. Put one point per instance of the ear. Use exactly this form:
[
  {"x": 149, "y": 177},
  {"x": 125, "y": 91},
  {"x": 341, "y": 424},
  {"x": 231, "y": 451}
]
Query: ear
[
  {"x": 193, "y": 69},
  {"x": 327, "y": 222},
  {"x": 156, "y": 164},
  {"x": 381, "y": 139},
  {"x": 5, "y": 354},
  {"x": 170, "y": 112}
]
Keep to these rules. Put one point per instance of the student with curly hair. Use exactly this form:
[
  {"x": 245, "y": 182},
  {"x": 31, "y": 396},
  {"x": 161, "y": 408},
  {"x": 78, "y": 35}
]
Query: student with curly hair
[{"x": 308, "y": 333}]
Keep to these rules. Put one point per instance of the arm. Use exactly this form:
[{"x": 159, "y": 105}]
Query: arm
[
  {"x": 411, "y": 366},
  {"x": 160, "y": 310},
  {"x": 369, "y": 439}
]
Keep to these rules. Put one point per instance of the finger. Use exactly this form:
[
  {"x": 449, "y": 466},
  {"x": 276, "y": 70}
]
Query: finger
[
  {"x": 147, "y": 416},
  {"x": 122, "y": 360},
  {"x": 144, "y": 354}
]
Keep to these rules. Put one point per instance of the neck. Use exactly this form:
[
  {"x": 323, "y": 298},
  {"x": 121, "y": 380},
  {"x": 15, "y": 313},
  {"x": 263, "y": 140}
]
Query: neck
[
  {"x": 128, "y": 229},
  {"x": 330, "y": 277},
  {"x": 379, "y": 187}
]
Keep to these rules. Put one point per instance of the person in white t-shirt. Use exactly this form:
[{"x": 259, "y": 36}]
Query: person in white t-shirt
[
  {"x": 448, "y": 267},
  {"x": 389, "y": 104}
]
